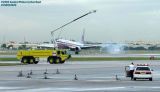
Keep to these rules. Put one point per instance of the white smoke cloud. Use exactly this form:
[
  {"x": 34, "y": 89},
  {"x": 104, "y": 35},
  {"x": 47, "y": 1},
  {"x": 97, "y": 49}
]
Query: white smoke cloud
[{"x": 113, "y": 48}]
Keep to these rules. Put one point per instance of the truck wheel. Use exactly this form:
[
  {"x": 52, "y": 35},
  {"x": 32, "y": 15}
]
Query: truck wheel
[
  {"x": 51, "y": 60},
  {"x": 134, "y": 78},
  {"x": 57, "y": 60},
  {"x": 61, "y": 62},
  {"x": 32, "y": 60},
  {"x": 24, "y": 60},
  {"x": 36, "y": 62}
]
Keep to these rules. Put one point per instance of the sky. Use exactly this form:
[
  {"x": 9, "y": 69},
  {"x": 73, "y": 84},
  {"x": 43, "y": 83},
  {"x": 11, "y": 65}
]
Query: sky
[{"x": 114, "y": 21}]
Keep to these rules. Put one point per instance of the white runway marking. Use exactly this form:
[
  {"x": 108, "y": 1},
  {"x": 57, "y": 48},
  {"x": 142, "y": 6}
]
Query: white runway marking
[
  {"x": 76, "y": 89},
  {"x": 64, "y": 89},
  {"x": 9, "y": 88}
]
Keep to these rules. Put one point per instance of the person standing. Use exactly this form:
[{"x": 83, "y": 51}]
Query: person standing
[{"x": 131, "y": 69}]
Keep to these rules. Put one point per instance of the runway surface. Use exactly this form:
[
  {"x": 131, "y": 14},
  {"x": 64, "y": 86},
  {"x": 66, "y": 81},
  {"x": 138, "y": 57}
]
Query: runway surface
[{"x": 93, "y": 76}]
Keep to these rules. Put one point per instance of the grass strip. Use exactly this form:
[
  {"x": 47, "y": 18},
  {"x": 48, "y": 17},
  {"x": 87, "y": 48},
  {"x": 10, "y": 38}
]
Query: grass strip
[
  {"x": 109, "y": 58},
  {"x": 9, "y": 59},
  {"x": 94, "y": 58},
  {"x": 10, "y": 64}
]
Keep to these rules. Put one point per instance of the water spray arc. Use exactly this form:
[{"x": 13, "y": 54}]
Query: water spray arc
[{"x": 52, "y": 32}]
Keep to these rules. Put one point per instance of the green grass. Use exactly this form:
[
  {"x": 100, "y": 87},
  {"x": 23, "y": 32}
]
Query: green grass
[
  {"x": 7, "y": 53},
  {"x": 110, "y": 58},
  {"x": 10, "y": 64},
  {"x": 94, "y": 59},
  {"x": 9, "y": 59}
]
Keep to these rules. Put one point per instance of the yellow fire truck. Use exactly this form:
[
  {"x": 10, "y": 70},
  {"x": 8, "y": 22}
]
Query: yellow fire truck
[{"x": 32, "y": 56}]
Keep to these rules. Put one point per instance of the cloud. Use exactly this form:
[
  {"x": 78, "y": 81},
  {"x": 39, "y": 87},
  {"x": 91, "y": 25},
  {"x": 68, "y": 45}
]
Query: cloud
[{"x": 152, "y": 13}]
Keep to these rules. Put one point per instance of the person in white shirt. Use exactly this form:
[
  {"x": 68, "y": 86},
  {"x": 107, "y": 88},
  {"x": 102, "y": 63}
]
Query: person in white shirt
[{"x": 131, "y": 68}]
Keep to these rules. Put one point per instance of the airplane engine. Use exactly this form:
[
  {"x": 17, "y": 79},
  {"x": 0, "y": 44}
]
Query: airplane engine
[{"x": 77, "y": 50}]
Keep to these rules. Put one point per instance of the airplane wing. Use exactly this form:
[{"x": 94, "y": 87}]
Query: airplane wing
[
  {"x": 47, "y": 45},
  {"x": 91, "y": 46}
]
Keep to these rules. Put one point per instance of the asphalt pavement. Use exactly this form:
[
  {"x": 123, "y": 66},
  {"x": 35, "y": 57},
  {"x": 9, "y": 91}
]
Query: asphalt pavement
[{"x": 91, "y": 76}]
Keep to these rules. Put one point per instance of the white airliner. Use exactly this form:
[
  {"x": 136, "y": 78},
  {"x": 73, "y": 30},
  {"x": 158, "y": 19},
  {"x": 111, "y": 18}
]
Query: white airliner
[{"x": 69, "y": 44}]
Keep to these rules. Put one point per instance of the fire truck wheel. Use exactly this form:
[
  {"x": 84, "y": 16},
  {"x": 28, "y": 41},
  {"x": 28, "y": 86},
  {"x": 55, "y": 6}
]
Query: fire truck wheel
[
  {"x": 51, "y": 60},
  {"x": 24, "y": 60},
  {"x": 36, "y": 62},
  {"x": 57, "y": 60},
  {"x": 31, "y": 60},
  {"x": 62, "y": 62}
]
